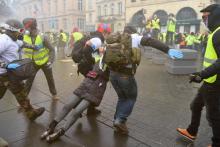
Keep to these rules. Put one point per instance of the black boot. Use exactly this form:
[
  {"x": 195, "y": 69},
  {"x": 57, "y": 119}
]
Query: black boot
[
  {"x": 92, "y": 111},
  {"x": 55, "y": 135},
  {"x": 50, "y": 130}
]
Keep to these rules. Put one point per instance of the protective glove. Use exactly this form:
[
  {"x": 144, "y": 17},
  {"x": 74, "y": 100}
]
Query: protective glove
[
  {"x": 49, "y": 65},
  {"x": 38, "y": 47},
  {"x": 195, "y": 77},
  {"x": 12, "y": 66},
  {"x": 175, "y": 53}
]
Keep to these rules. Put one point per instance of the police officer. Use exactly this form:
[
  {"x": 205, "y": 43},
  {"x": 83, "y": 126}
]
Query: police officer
[
  {"x": 155, "y": 27},
  {"x": 43, "y": 58},
  {"x": 8, "y": 53},
  {"x": 171, "y": 28},
  {"x": 209, "y": 94}
]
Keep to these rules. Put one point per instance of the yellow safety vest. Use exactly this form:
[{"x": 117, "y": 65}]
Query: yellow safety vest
[
  {"x": 210, "y": 57},
  {"x": 77, "y": 36},
  {"x": 171, "y": 26},
  {"x": 64, "y": 37},
  {"x": 155, "y": 24},
  {"x": 41, "y": 56}
]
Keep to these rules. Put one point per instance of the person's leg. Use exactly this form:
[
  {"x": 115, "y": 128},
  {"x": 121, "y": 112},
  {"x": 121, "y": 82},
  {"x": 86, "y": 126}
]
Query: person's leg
[
  {"x": 196, "y": 107},
  {"x": 29, "y": 82},
  {"x": 75, "y": 114},
  {"x": 50, "y": 80},
  {"x": 212, "y": 103},
  {"x": 17, "y": 88},
  {"x": 65, "y": 110},
  {"x": 126, "y": 89}
]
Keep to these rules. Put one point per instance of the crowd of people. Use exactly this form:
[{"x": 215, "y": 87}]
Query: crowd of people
[{"x": 105, "y": 56}]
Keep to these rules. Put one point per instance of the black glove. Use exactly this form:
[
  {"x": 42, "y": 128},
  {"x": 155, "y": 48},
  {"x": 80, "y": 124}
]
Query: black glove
[{"x": 195, "y": 77}]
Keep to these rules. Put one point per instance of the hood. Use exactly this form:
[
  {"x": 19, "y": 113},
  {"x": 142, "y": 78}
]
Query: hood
[{"x": 214, "y": 16}]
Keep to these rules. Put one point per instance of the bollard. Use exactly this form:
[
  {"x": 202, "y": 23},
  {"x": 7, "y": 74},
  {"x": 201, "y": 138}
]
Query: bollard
[{"x": 186, "y": 65}]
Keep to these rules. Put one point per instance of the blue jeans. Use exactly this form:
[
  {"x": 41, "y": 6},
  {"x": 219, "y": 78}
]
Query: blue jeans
[{"x": 126, "y": 89}]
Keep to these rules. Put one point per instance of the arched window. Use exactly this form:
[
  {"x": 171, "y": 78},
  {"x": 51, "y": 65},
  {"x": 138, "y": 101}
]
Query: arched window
[
  {"x": 105, "y": 10},
  {"x": 186, "y": 13},
  {"x": 162, "y": 15}
]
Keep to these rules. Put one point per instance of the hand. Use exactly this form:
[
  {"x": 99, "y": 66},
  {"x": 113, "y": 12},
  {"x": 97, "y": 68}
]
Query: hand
[
  {"x": 195, "y": 77},
  {"x": 38, "y": 47},
  {"x": 175, "y": 53},
  {"x": 49, "y": 64},
  {"x": 12, "y": 66}
]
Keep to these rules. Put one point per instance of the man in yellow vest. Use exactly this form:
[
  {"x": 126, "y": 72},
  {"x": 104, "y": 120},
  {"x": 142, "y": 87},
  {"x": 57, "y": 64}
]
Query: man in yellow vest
[
  {"x": 209, "y": 93},
  {"x": 75, "y": 36},
  {"x": 43, "y": 58},
  {"x": 155, "y": 27},
  {"x": 62, "y": 44},
  {"x": 171, "y": 28}
]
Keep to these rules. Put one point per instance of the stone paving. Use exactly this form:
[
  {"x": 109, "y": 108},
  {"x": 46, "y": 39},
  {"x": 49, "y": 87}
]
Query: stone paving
[{"x": 162, "y": 106}]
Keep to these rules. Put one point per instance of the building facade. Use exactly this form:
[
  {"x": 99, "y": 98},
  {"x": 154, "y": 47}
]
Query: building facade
[
  {"x": 53, "y": 15},
  {"x": 111, "y": 12},
  {"x": 187, "y": 12}
]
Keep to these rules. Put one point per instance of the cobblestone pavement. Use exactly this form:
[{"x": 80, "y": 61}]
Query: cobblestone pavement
[{"x": 162, "y": 106}]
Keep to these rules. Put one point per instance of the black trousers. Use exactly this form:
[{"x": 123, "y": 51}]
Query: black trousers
[
  {"x": 169, "y": 38},
  {"x": 49, "y": 76},
  {"x": 208, "y": 96}
]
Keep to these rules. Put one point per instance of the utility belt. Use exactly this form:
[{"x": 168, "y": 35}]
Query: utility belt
[{"x": 124, "y": 70}]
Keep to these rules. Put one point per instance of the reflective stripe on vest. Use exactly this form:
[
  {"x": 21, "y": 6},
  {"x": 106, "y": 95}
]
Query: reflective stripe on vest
[
  {"x": 77, "y": 36},
  {"x": 155, "y": 24},
  {"x": 171, "y": 26},
  {"x": 41, "y": 56},
  {"x": 64, "y": 37},
  {"x": 210, "y": 57}
]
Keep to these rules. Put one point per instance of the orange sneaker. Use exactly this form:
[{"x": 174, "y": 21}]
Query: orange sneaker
[{"x": 185, "y": 133}]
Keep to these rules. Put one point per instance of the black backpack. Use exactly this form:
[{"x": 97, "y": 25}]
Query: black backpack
[
  {"x": 77, "y": 51},
  {"x": 26, "y": 69}
]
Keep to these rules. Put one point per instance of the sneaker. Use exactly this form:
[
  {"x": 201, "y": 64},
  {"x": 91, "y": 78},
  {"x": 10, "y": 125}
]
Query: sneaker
[
  {"x": 186, "y": 134},
  {"x": 35, "y": 113},
  {"x": 55, "y": 135},
  {"x": 55, "y": 97},
  {"x": 209, "y": 146},
  {"x": 93, "y": 111},
  {"x": 121, "y": 128}
]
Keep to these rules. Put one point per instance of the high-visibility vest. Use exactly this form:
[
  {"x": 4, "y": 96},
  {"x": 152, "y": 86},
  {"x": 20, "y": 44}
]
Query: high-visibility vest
[
  {"x": 77, "y": 36},
  {"x": 40, "y": 56},
  {"x": 156, "y": 23},
  {"x": 64, "y": 37},
  {"x": 171, "y": 26},
  {"x": 210, "y": 57}
]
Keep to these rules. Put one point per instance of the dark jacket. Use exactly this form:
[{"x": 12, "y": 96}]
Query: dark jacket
[{"x": 93, "y": 89}]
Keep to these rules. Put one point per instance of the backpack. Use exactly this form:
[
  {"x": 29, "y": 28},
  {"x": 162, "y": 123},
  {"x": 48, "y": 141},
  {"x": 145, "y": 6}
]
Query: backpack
[
  {"x": 119, "y": 51},
  {"x": 24, "y": 71},
  {"x": 77, "y": 51}
]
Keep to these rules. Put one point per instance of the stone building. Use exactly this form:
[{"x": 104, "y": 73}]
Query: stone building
[
  {"x": 187, "y": 12},
  {"x": 53, "y": 15}
]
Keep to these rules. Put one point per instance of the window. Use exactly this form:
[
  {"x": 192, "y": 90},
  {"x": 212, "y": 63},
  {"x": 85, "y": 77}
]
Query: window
[
  {"x": 99, "y": 10},
  {"x": 112, "y": 9},
  {"x": 64, "y": 5},
  {"x": 105, "y": 10},
  {"x": 133, "y": 0},
  {"x": 80, "y": 23},
  {"x": 90, "y": 17},
  {"x": 55, "y": 3},
  {"x": 49, "y": 6},
  {"x": 80, "y": 6},
  {"x": 120, "y": 8},
  {"x": 65, "y": 23},
  {"x": 90, "y": 3}
]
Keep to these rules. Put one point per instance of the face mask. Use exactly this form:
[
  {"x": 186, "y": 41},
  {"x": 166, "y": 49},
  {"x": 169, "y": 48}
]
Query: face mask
[{"x": 205, "y": 20}]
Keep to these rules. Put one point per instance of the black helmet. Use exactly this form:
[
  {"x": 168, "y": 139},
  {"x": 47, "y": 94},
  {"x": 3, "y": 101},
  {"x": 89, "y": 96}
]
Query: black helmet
[
  {"x": 13, "y": 25},
  {"x": 30, "y": 23}
]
